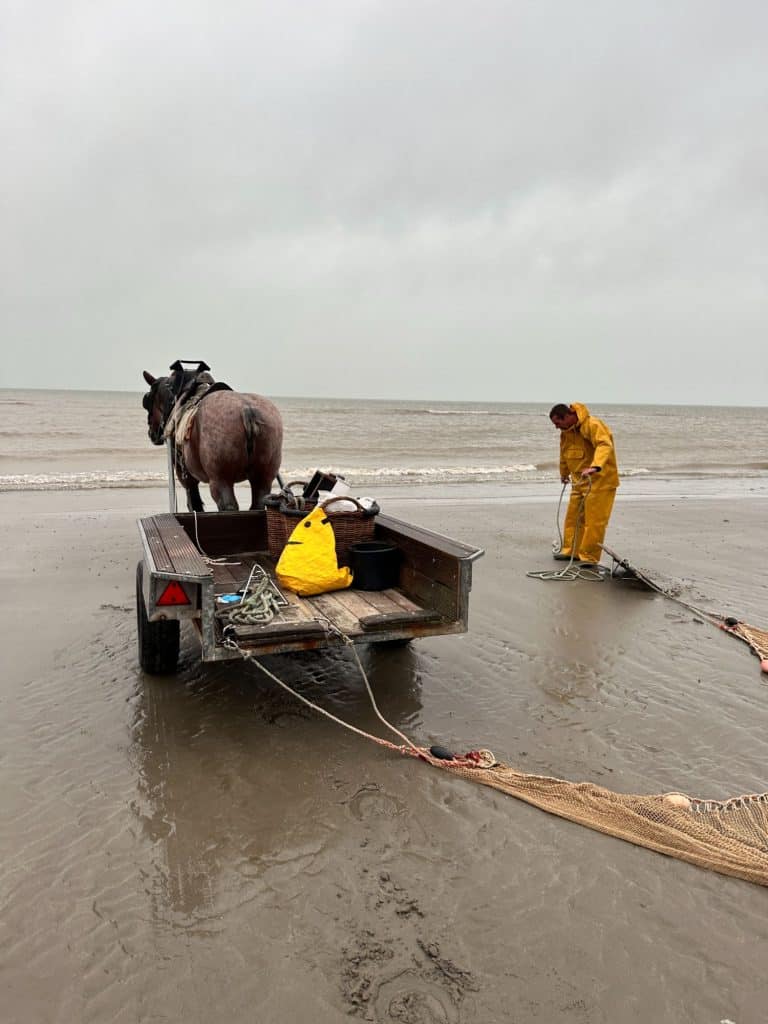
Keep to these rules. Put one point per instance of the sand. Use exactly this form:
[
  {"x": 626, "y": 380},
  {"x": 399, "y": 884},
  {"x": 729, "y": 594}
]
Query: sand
[{"x": 205, "y": 850}]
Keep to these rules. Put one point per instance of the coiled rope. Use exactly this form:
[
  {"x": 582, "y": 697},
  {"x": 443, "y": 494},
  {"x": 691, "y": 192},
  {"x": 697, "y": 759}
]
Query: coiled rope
[
  {"x": 258, "y": 606},
  {"x": 571, "y": 571}
]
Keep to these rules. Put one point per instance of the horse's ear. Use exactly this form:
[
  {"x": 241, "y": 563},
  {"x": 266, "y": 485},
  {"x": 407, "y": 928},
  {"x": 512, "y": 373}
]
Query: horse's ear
[{"x": 149, "y": 378}]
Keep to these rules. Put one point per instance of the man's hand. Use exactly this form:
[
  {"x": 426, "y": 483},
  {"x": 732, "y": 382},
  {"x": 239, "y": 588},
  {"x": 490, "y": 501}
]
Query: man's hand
[
  {"x": 590, "y": 470},
  {"x": 565, "y": 479}
]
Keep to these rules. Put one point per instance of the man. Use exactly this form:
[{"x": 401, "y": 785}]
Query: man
[{"x": 588, "y": 459}]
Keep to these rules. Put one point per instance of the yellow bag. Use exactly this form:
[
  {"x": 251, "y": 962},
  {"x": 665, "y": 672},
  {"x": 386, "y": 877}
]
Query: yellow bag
[{"x": 308, "y": 563}]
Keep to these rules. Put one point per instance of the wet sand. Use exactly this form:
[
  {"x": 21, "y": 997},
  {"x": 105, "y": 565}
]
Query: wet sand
[{"x": 203, "y": 849}]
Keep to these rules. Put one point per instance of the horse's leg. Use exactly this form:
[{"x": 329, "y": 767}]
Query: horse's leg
[
  {"x": 191, "y": 486},
  {"x": 258, "y": 491},
  {"x": 194, "y": 501},
  {"x": 224, "y": 496}
]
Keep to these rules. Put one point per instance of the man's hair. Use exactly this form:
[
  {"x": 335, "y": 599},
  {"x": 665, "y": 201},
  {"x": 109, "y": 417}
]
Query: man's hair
[{"x": 559, "y": 410}]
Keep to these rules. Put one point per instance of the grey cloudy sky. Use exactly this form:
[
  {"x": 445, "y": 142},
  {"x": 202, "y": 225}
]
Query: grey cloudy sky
[{"x": 496, "y": 200}]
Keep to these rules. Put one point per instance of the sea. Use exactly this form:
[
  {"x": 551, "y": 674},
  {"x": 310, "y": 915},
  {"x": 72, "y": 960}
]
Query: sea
[{"x": 97, "y": 440}]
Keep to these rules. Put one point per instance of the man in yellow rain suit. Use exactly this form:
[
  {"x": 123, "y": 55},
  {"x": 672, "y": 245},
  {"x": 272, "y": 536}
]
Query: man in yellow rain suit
[{"x": 588, "y": 459}]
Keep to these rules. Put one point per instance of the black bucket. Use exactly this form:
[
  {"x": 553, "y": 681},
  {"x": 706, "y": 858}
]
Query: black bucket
[{"x": 375, "y": 565}]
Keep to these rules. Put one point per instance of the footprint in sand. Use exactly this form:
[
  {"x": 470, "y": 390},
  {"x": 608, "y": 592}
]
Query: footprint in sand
[
  {"x": 409, "y": 999},
  {"x": 372, "y": 803}
]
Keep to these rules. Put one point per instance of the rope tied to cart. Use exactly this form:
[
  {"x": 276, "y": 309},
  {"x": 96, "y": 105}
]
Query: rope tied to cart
[
  {"x": 729, "y": 836},
  {"x": 207, "y": 558},
  {"x": 408, "y": 746},
  {"x": 726, "y": 835}
]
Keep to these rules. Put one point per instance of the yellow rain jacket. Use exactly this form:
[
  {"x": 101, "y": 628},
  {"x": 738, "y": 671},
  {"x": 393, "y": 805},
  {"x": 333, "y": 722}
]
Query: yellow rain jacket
[
  {"x": 589, "y": 443},
  {"x": 308, "y": 563}
]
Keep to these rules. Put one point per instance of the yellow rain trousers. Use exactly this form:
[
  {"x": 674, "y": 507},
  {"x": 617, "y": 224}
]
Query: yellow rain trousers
[
  {"x": 598, "y": 505},
  {"x": 589, "y": 443}
]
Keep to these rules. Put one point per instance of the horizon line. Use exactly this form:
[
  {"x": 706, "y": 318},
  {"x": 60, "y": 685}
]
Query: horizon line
[{"x": 452, "y": 401}]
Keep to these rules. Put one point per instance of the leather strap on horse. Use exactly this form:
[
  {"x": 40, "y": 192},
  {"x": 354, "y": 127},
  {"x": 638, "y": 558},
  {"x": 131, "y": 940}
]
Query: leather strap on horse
[{"x": 184, "y": 407}]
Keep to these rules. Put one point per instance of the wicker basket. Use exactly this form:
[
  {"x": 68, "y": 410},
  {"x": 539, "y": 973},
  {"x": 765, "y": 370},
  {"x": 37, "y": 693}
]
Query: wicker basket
[
  {"x": 284, "y": 511},
  {"x": 349, "y": 526}
]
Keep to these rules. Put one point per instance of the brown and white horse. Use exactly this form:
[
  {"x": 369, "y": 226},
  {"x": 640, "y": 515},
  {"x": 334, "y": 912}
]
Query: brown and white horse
[{"x": 220, "y": 436}]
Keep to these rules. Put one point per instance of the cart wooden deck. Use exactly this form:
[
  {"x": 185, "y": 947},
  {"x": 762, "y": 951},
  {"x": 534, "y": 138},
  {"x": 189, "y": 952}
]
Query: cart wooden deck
[{"x": 210, "y": 554}]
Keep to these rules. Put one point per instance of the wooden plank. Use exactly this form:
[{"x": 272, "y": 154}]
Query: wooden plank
[
  {"x": 300, "y": 605},
  {"x": 391, "y": 600},
  {"x": 182, "y": 553},
  {"x": 428, "y": 593},
  {"x": 386, "y": 609},
  {"x": 227, "y": 578},
  {"x": 422, "y": 593},
  {"x": 355, "y": 601},
  {"x": 280, "y": 630},
  {"x": 399, "y": 620},
  {"x": 429, "y": 561},
  {"x": 157, "y": 549},
  {"x": 335, "y": 611}
]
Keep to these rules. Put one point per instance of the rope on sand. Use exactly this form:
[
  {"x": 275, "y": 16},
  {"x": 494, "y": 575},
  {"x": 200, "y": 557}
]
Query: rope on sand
[
  {"x": 573, "y": 570},
  {"x": 728, "y": 836},
  {"x": 409, "y": 745},
  {"x": 755, "y": 638}
]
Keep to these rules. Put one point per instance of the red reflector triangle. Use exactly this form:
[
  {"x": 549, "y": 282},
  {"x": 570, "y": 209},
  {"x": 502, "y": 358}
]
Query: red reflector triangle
[{"x": 173, "y": 594}]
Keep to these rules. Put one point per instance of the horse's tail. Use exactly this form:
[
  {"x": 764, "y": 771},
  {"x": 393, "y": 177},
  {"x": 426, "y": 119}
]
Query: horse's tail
[{"x": 253, "y": 424}]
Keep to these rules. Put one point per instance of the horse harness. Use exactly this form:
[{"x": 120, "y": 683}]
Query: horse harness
[
  {"x": 183, "y": 408},
  {"x": 185, "y": 405}
]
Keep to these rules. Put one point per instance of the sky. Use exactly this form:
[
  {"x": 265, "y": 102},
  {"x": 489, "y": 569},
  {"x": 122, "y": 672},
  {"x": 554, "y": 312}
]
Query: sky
[{"x": 502, "y": 200}]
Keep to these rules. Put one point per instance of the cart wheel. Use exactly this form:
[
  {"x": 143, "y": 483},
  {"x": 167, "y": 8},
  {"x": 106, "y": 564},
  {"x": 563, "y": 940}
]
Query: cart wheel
[{"x": 158, "y": 641}]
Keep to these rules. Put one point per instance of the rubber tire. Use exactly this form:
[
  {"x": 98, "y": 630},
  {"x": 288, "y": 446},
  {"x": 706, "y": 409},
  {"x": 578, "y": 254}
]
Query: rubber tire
[{"x": 158, "y": 641}]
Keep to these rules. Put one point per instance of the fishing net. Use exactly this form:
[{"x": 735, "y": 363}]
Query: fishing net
[
  {"x": 757, "y": 639},
  {"x": 728, "y": 836}
]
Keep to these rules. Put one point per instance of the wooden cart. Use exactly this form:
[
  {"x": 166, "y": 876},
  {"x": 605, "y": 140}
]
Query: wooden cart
[{"x": 181, "y": 578}]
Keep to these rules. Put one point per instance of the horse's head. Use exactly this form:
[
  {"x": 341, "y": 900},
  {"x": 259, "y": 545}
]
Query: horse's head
[{"x": 158, "y": 402}]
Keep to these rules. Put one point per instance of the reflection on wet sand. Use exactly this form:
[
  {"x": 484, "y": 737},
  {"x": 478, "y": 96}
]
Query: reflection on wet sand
[
  {"x": 231, "y": 770},
  {"x": 203, "y": 849}
]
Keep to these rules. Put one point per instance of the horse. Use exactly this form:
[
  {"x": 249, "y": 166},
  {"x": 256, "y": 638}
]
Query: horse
[{"x": 219, "y": 436}]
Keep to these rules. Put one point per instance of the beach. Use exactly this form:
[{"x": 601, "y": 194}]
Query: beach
[{"x": 204, "y": 848}]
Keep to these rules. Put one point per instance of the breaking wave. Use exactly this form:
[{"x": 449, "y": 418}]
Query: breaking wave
[
  {"x": 361, "y": 478},
  {"x": 429, "y": 474},
  {"x": 88, "y": 481}
]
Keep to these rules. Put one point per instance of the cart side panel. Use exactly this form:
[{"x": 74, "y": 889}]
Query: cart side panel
[
  {"x": 431, "y": 598},
  {"x": 436, "y": 571},
  {"x": 173, "y": 551},
  {"x": 218, "y": 534},
  {"x": 170, "y": 556}
]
